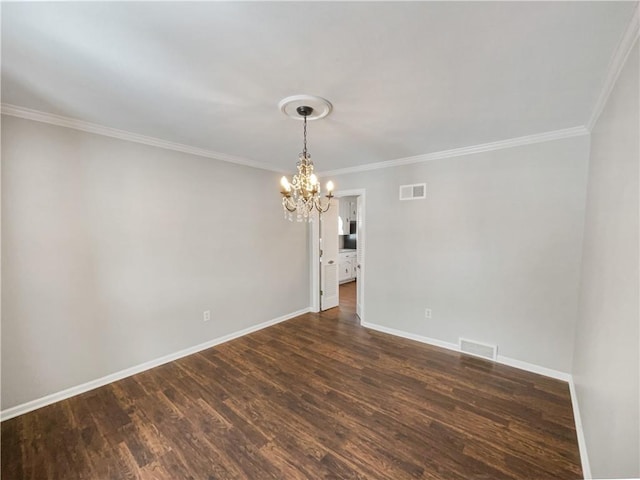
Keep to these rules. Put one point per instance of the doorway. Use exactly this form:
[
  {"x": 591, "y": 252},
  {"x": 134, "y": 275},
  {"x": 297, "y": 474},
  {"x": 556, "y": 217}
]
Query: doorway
[{"x": 349, "y": 244}]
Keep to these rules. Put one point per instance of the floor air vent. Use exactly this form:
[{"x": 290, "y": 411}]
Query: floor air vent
[{"x": 478, "y": 349}]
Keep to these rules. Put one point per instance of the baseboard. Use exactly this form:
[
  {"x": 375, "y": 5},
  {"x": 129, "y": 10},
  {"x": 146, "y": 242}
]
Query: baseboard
[
  {"x": 511, "y": 362},
  {"x": 529, "y": 367},
  {"x": 93, "y": 384},
  {"x": 411, "y": 336},
  {"x": 533, "y": 368},
  {"x": 582, "y": 443}
]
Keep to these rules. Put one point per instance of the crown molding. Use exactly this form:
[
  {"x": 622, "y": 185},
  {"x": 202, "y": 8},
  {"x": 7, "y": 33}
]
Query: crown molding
[
  {"x": 616, "y": 64},
  {"x": 68, "y": 122},
  {"x": 74, "y": 123},
  {"x": 620, "y": 55},
  {"x": 457, "y": 152}
]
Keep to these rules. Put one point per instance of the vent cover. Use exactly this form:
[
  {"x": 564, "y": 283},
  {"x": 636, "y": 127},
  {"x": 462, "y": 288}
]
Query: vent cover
[
  {"x": 478, "y": 349},
  {"x": 417, "y": 191},
  {"x": 330, "y": 283}
]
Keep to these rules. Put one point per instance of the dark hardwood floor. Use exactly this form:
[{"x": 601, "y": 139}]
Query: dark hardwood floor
[{"x": 314, "y": 397}]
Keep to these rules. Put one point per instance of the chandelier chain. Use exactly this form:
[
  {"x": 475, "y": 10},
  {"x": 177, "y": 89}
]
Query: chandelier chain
[{"x": 304, "y": 150}]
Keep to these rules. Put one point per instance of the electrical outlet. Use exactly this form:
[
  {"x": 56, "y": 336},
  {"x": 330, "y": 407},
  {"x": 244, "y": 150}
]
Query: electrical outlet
[
  {"x": 427, "y": 313},
  {"x": 206, "y": 316}
]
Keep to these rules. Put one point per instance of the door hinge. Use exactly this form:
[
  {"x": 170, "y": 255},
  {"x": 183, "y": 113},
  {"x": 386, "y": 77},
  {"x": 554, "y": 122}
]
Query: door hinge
[
  {"x": 321, "y": 292},
  {"x": 321, "y": 252}
]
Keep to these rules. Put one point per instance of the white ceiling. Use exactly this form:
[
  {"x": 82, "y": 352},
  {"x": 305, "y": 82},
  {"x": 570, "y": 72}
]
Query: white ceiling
[{"x": 405, "y": 79}]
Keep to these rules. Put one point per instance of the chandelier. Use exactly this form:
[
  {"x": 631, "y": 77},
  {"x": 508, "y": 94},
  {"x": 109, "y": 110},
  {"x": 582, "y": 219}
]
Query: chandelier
[{"x": 302, "y": 195}]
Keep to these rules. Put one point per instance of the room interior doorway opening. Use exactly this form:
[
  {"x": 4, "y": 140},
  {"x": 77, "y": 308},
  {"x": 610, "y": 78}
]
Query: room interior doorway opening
[{"x": 338, "y": 253}]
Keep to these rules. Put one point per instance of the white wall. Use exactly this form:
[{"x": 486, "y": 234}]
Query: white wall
[
  {"x": 607, "y": 357},
  {"x": 494, "y": 250},
  {"x": 112, "y": 250}
]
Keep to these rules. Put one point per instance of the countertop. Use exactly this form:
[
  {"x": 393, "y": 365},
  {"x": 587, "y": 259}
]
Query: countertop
[{"x": 348, "y": 250}]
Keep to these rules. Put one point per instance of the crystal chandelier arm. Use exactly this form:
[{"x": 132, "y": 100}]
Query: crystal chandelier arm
[
  {"x": 318, "y": 203},
  {"x": 288, "y": 204}
]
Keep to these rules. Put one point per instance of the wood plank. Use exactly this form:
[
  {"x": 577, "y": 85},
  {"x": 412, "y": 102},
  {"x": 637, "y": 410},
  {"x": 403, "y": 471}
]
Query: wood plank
[{"x": 317, "y": 396}]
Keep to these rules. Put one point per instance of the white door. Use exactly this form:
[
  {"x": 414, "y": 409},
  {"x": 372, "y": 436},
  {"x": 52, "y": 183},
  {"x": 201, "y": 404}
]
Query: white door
[
  {"x": 359, "y": 256},
  {"x": 329, "y": 290}
]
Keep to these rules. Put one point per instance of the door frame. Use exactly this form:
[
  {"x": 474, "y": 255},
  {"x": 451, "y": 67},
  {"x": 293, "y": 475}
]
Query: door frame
[{"x": 314, "y": 251}]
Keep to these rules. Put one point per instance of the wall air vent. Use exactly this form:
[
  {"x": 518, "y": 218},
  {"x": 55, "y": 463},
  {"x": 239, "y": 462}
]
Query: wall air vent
[
  {"x": 479, "y": 349},
  {"x": 417, "y": 191}
]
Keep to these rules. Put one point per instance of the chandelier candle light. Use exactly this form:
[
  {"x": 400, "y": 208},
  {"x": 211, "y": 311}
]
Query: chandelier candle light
[{"x": 302, "y": 194}]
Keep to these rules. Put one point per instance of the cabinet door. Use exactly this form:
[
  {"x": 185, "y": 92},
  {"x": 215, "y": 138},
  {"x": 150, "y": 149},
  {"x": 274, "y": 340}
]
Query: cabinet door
[
  {"x": 343, "y": 224},
  {"x": 354, "y": 270},
  {"x": 346, "y": 270}
]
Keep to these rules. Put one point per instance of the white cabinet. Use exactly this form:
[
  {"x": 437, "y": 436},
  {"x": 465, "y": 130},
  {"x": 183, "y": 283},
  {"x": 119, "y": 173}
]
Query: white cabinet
[
  {"x": 348, "y": 211},
  {"x": 343, "y": 223},
  {"x": 346, "y": 271},
  {"x": 348, "y": 265},
  {"x": 353, "y": 211},
  {"x": 345, "y": 209}
]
